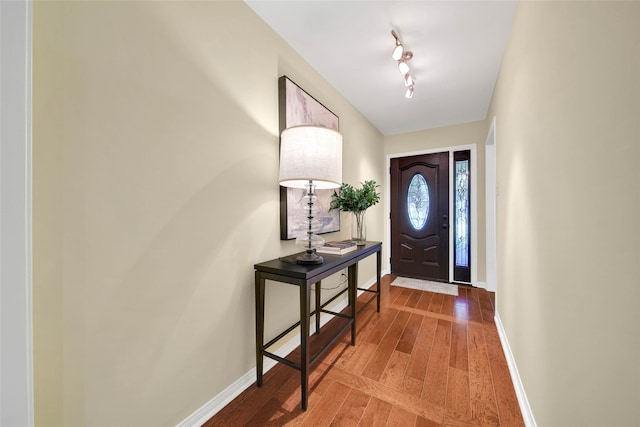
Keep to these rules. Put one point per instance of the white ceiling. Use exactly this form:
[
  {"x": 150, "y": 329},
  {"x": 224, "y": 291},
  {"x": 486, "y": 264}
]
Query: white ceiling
[{"x": 457, "y": 48}]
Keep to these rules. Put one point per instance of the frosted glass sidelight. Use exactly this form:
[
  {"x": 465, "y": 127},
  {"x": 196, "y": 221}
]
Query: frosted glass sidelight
[
  {"x": 418, "y": 202},
  {"x": 462, "y": 214}
]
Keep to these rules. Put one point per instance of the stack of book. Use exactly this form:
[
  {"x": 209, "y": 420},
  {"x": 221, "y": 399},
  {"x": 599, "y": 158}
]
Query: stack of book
[{"x": 337, "y": 247}]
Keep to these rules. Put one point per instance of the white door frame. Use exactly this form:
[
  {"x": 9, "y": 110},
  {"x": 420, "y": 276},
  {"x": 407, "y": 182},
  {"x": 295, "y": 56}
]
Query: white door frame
[
  {"x": 16, "y": 335},
  {"x": 490, "y": 204},
  {"x": 474, "y": 205}
]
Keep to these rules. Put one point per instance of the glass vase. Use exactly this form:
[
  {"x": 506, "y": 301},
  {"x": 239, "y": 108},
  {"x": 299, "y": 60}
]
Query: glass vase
[{"x": 359, "y": 227}]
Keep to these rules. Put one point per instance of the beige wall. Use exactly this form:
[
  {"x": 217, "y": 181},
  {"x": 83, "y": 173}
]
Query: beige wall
[
  {"x": 449, "y": 136},
  {"x": 155, "y": 191},
  {"x": 567, "y": 104}
]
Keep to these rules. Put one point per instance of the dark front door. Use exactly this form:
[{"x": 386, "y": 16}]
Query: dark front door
[{"x": 420, "y": 216}]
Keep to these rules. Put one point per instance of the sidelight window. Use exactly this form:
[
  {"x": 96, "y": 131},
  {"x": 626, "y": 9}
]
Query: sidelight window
[{"x": 462, "y": 216}]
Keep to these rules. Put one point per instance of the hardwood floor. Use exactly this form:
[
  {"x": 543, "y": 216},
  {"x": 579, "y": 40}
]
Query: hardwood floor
[{"x": 426, "y": 359}]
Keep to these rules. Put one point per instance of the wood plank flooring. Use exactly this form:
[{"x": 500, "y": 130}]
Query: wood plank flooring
[{"x": 426, "y": 359}]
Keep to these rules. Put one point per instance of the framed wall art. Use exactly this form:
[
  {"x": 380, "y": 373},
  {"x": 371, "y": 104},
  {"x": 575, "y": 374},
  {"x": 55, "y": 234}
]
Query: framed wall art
[{"x": 296, "y": 107}]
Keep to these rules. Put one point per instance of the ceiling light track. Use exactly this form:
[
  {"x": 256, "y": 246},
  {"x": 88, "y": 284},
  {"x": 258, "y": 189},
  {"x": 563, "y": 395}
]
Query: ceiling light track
[{"x": 403, "y": 57}]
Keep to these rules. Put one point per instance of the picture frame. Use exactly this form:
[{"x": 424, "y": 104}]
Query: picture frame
[{"x": 296, "y": 107}]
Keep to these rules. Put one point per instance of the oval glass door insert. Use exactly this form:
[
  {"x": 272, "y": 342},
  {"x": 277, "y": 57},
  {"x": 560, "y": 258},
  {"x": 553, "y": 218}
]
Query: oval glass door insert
[{"x": 418, "y": 202}]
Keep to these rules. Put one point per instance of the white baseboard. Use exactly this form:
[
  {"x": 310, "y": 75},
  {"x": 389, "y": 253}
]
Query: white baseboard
[
  {"x": 213, "y": 406},
  {"x": 369, "y": 283},
  {"x": 490, "y": 286},
  {"x": 482, "y": 285},
  {"x": 525, "y": 408}
]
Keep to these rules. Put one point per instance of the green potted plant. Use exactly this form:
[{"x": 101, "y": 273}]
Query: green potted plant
[{"x": 356, "y": 201}]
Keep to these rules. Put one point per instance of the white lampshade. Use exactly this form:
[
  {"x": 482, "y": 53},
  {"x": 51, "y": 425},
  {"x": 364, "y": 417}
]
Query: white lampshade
[{"x": 310, "y": 153}]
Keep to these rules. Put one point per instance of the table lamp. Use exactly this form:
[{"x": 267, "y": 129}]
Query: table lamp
[{"x": 310, "y": 158}]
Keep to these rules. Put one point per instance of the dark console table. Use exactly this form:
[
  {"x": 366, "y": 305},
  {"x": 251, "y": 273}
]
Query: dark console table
[{"x": 286, "y": 270}]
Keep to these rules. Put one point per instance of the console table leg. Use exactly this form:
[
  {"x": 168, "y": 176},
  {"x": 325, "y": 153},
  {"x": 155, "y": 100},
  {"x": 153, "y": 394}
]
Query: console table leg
[
  {"x": 353, "y": 285},
  {"x": 378, "y": 269},
  {"x": 318, "y": 289},
  {"x": 259, "y": 326},
  {"x": 305, "y": 308}
]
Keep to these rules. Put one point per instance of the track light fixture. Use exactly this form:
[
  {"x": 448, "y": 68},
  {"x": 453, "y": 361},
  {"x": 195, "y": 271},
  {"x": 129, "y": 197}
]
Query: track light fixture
[{"x": 403, "y": 56}]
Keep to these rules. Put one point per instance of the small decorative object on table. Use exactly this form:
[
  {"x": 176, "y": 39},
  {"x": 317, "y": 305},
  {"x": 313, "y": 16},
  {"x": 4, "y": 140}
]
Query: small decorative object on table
[
  {"x": 338, "y": 247},
  {"x": 348, "y": 199}
]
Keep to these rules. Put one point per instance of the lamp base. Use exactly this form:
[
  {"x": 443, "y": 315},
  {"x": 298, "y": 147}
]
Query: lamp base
[{"x": 310, "y": 257}]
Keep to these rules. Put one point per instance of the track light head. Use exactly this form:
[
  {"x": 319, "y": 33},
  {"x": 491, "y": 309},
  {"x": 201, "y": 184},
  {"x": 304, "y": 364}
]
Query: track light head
[
  {"x": 403, "y": 67},
  {"x": 398, "y": 51},
  {"x": 408, "y": 80},
  {"x": 409, "y": 93}
]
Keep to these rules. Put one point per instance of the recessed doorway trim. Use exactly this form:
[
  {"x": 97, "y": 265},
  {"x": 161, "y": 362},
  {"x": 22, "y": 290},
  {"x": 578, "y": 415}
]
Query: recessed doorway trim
[
  {"x": 16, "y": 335},
  {"x": 474, "y": 203},
  {"x": 490, "y": 206}
]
